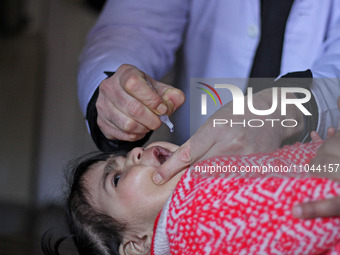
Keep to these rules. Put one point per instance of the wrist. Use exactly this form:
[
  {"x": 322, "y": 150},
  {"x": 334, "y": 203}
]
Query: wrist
[
  {"x": 293, "y": 113},
  {"x": 265, "y": 99}
]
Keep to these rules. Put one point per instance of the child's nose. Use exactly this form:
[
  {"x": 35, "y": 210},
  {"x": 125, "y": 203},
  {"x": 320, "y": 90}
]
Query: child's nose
[{"x": 136, "y": 154}]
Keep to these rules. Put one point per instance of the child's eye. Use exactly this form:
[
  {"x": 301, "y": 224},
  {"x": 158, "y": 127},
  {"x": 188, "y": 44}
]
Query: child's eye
[{"x": 116, "y": 178}]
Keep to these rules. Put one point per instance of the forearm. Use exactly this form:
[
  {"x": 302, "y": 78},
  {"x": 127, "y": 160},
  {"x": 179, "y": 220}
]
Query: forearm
[
  {"x": 264, "y": 100},
  {"x": 326, "y": 76},
  {"x": 326, "y": 91},
  {"x": 125, "y": 35}
]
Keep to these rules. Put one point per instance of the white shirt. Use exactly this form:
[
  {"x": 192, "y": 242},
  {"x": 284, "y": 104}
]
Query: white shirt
[{"x": 219, "y": 39}]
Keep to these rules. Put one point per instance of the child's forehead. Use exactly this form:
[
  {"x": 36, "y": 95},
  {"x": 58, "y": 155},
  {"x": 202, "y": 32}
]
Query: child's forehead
[{"x": 112, "y": 163}]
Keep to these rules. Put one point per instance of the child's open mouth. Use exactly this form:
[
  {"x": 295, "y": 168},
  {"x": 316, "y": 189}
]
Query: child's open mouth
[{"x": 161, "y": 154}]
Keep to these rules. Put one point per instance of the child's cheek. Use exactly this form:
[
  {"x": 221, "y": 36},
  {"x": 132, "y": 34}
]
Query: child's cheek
[{"x": 136, "y": 183}]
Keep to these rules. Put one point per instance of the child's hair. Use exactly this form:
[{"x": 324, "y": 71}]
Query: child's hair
[{"x": 93, "y": 232}]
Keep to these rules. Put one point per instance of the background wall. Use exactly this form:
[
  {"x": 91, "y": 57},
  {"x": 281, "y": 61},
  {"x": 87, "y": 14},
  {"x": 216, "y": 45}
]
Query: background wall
[
  {"x": 63, "y": 133},
  {"x": 41, "y": 125}
]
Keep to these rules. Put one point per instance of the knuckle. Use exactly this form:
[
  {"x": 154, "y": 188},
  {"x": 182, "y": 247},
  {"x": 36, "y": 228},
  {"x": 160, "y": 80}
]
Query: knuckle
[
  {"x": 131, "y": 83},
  {"x": 105, "y": 86},
  {"x": 165, "y": 171},
  {"x": 238, "y": 141},
  {"x": 126, "y": 68},
  {"x": 180, "y": 98},
  {"x": 100, "y": 106},
  {"x": 152, "y": 101},
  {"x": 184, "y": 154},
  {"x": 101, "y": 124},
  {"x": 240, "y": 136},
  {"x": 134, "y": 108},
  {"x": 132, "y": 137},
  {"x": 129, "y": 125},
  {"x": 113, "y": 117},
  {"x": 107, "y": 131},
  {"x": 110, "y": 136},
  {"x": 308, "y": 211},
  {"x": 175, "y": 96}
]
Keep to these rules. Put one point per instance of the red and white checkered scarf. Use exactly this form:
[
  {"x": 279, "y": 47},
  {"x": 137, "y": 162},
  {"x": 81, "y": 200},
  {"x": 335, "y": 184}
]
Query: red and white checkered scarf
[{"x": 236, "y": 215}]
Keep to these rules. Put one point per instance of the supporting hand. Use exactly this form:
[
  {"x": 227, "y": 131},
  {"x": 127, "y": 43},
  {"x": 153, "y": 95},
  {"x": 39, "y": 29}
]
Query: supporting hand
[
  {"x": 328, "y": 155},
  {"x": 211, "y": 141}
]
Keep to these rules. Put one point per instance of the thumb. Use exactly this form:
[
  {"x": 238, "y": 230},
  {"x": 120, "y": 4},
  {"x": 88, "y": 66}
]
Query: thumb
[
  {"x": 183, "y": 157},
  {"x": 173, "y": 97},
  {"x": 320, "y": 208},
  {"x": 176, "y": 163}
]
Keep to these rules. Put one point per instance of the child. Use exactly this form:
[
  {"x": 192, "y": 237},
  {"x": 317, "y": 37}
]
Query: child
[{"x": 115, "y": 208}]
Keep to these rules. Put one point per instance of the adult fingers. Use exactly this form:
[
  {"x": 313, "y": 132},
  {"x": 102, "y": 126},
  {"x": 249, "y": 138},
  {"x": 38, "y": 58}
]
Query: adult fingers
[
  {"x": 120, "y": 114},
  {"x": 320, "y": 208},
  {"x": 190, "y": 152},
  {"x": 179, "y": 160},
  {"x": 173, "y": 97},
  {"x": 115, "y": 126},
  {"x": 135, "y": 83},
  {"x": 315, "y": 136},
  {"x": 330, "y": 132}
]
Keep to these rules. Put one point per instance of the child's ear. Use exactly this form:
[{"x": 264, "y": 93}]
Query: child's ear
[{"x": 136, "y": 245}]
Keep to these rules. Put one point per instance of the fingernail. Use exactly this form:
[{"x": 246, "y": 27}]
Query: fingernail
[
  {"x": 157, "y": 178},
  {"x": 170, "y": 105},
  {"x": 162, "y": 109},
  {"x": 297, "y": 211}
]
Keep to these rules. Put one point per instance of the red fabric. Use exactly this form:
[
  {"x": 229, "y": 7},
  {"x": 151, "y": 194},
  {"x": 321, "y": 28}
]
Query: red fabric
[{"x": 213, "y": 215}]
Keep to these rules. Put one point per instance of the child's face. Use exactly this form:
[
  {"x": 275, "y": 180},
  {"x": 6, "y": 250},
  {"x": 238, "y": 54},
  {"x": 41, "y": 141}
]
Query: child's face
[{"x": 123, "y": 187}]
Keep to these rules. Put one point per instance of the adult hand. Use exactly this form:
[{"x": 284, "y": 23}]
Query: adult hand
[
  {"x": 211, "y": 141},
  {"x": 328, "y": 155},
  {"x": 128, "y": 108}
]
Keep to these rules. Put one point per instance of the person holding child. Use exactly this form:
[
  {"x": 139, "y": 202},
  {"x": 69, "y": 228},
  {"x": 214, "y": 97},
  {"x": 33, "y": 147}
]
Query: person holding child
[
  {"x": 213, "y": 39},
  {"x": 114, "y": 207}
]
